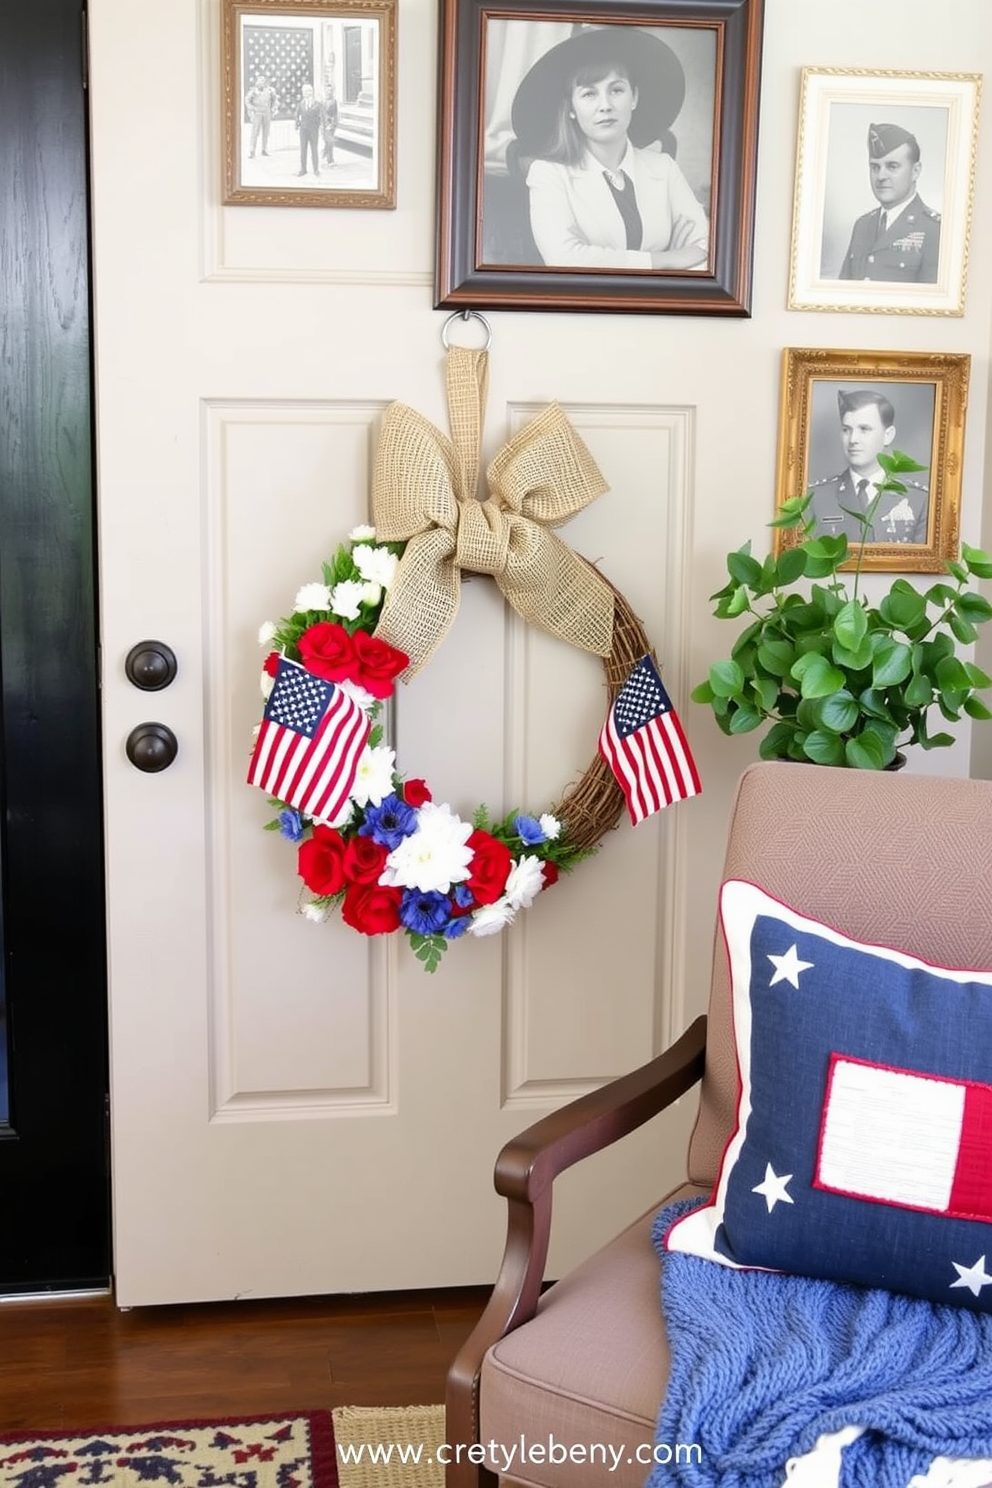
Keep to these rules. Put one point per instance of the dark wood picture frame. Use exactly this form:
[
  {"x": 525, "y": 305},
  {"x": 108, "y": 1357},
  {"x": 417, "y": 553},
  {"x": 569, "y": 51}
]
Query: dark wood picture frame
[
  {"x": 927, "y": 392},
  {"x": 471, "y": 274}
]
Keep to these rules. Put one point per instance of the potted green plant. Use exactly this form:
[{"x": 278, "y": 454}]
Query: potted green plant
[{"x": 843, "y": 681}]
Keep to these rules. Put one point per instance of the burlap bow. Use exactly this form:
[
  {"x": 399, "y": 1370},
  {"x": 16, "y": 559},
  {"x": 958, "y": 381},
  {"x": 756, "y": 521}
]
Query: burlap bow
[{"x": 423, "y": 494}]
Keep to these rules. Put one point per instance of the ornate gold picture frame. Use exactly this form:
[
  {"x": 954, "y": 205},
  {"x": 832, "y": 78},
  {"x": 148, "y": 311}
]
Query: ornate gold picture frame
[
  {"x": 309, "y": 103},
  {"x": 885, "y": 179},
  {"x": 838, "y": 409}
]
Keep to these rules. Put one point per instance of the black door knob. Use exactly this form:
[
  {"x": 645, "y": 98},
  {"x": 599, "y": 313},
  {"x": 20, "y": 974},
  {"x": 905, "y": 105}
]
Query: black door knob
[
  {"x": 151, "y": 665},
  {"x": 151, "y": 747}
]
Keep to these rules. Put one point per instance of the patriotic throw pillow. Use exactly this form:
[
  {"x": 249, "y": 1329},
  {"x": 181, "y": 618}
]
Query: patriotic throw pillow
[{"x": 863, "y": 1146}]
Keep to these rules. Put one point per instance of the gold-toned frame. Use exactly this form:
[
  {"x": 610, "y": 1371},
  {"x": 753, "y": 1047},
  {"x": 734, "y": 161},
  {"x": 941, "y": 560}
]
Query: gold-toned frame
[
  {"x": 377, "y": 135},
  {"x": 832, "y": 190},
  {"x": 804, "y": 370}
]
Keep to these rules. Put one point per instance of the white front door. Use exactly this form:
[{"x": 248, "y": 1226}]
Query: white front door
[{"x": 297, "y": 1109}]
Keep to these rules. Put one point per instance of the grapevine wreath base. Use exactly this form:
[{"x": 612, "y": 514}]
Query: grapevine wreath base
[{"x": 369, "y": 840}]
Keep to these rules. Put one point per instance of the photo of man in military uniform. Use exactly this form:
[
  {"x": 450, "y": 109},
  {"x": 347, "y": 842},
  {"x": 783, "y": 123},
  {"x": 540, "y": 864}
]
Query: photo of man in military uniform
[
  {"x": 898, "y": 242},
  {"x": 867, "y": 428}
]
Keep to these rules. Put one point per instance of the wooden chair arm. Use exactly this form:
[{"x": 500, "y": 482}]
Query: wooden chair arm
[{"x": 525, "y": 1173}]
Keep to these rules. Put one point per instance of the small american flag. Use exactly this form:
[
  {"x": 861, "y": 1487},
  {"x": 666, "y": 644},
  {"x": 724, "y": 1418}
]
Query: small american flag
[
  {"x": 309, "y": 744},
  {"x": 643, "y": 744}
]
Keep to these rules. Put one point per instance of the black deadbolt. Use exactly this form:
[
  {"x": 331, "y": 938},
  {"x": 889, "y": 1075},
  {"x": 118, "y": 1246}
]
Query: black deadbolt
[
  {"x": 151, "y": 665},
  {"x": 151, "y": 747}
]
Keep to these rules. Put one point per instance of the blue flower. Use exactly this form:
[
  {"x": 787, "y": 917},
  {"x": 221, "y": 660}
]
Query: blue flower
[
  {"x": 291, "y": 824},
  {"x": 389, "y": 822},
  {"x": 463, "y": 896},
  {"x": 529, "y": 830},
  {"x": 457, "y": 927},
  {"x": 425, "y": 911}
]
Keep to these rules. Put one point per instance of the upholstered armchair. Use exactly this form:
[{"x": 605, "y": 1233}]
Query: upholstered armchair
[{"x": 892, "y": 859}]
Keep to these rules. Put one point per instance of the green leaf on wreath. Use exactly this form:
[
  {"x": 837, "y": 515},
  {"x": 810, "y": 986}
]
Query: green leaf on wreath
[{"x": 429, "y": 949}]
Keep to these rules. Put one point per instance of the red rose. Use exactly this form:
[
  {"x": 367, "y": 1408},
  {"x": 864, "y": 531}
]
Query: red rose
[
  {"x": 489, "y": 868},
  {"x": 416, "y": 792},
  {"x": 364, "y": 860},
  {"x": 550, "y": 874},
  {"x": 321, "y": 861},
  {"x": 372, "y": 910},
  {"x": 271, "y": 663},
  {"x": 328, "y": 652},
  {"x": 377, "y": 664}
]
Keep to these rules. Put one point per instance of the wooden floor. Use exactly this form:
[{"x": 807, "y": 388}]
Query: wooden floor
[{"x": 81, "y": 1362}]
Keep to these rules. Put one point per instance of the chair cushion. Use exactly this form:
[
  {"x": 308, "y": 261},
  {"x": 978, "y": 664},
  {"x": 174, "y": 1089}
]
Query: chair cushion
[
  {"x": 590, "y": 1369},
  {"x": 863, "y": 1144}
]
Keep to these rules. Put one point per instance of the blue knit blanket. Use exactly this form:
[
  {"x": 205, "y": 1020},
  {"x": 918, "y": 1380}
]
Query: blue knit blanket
[{"x": 763, "y": 1364}]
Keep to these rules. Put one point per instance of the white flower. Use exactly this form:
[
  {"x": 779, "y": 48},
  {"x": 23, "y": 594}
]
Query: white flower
[
  {"x": 492, "y": 918},
  {"x": 361, "y": 534},
  {"x": 346, "y": 598},
  {"x": 377, "y": 565},
  {"x": 317, "y": 913},
  {"x": 312, "y": 597},
  {"x": 267, "y": 685},
  {"x": 266, "y": 633},
  {"x": 435, "y": 856},
  {"x": 364, "y": 699},
  {"x": 374, "y": 776},
  {"x": 525, "y": 881},
  {"x": 371, "y": 594},
  {"x": 550, "y": 826}
]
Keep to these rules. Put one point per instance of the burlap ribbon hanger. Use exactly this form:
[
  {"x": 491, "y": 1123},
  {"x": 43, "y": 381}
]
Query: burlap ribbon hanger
[{"x": 424, "y": 494}]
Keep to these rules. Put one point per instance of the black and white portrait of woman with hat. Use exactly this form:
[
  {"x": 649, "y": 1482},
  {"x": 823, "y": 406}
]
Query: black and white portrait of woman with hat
[
  {"x": 892, "y": 159},
  {"x": 602, "y": 137}
]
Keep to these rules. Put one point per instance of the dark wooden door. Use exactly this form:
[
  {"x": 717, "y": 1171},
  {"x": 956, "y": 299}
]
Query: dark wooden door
[{"x": 54, "y": 1178}]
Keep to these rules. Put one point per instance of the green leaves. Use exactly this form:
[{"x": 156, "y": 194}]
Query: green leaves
[
  {"x": 851, "y": 625},
  {"x": 866, "y": 752},
  {"x": 977, "y": 562},
  {"x": 428, "y": 949},
  {"x": 742, "y": 567},
  {"x": 839, "y": 679},
  {"x": 898, "y": 463},
  {"x": 726, "y": 679},
  {"x": 816, "y": 676}
]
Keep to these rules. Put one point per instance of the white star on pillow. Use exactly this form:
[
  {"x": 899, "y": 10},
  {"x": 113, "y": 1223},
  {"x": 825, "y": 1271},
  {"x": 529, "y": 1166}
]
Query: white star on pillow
[
  {"x": 772, "y": 1190},
  {"x": 788, "y": 967},
  {"x": 973, "y": 1277}
]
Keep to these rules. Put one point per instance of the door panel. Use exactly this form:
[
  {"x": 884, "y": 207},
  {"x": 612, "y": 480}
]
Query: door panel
[{"x": 296, "y": 1109}]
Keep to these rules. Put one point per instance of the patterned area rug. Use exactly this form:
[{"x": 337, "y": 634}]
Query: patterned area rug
[{"x": 352, "y": 1447}]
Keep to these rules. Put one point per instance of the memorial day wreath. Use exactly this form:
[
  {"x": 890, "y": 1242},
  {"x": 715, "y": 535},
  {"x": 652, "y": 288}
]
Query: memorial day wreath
[{"x": 371, "y": 841}]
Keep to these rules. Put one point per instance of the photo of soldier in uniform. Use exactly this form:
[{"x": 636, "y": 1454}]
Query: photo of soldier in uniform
[
  {"x": 850, "y": 426},
  {"x": 899, "y": 240},
  {"x": 898, "y": 163}
]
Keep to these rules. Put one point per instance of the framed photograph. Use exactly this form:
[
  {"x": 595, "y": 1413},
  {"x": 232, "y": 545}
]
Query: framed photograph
[
  {"x": 839, "y": 411},
  {"x": 309, "y": 93},
  {"x": 885, "y": 179},
  {"x": 598, "y": 155}
]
